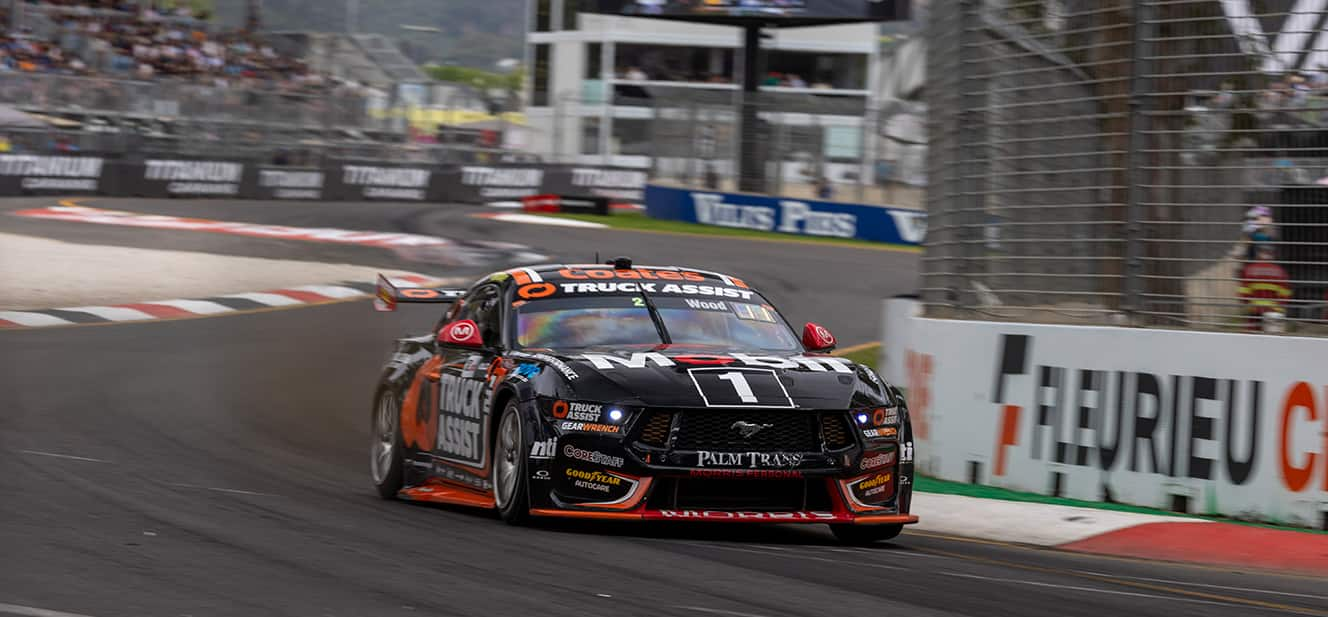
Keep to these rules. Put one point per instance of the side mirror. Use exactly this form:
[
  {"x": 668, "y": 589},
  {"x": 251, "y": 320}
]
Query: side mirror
[
  {"x": 463, "y": 333},
  {"x": 817, "y": 338}
]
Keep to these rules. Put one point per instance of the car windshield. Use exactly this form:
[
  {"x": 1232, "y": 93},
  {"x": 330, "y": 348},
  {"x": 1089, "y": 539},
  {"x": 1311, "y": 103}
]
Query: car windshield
[{"x": 609, "y": 320}]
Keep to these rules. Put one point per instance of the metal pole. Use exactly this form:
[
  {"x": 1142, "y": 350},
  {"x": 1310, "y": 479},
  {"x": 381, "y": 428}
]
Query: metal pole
[
  {"x": 1134, "y": 159},
  {"x": 751, "y": 169}
]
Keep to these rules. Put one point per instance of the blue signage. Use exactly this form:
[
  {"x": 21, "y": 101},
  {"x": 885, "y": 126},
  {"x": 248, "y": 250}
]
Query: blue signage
[{"x": 804, "y": 217}]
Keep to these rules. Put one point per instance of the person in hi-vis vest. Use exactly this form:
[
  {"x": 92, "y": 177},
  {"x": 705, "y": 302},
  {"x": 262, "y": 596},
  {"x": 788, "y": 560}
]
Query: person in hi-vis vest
[{"x": 1263, "y": 286}]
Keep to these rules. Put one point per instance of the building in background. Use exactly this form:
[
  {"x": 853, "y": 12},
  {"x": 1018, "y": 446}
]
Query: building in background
[{"x": 625, "y": 91}]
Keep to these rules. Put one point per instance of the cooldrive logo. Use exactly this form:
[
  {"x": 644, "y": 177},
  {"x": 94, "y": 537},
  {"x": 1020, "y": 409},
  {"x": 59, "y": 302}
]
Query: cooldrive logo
[
  {"x": 612, "y": 183},
  {"x": 195, "y": 177},
  {"x": 292, "y": 184},
  {"x": 62, "y": 173},
  {"x": 503, "y": 181},
  {"x": 793, "y": 217},
  {"x": 407, "y": 183}
]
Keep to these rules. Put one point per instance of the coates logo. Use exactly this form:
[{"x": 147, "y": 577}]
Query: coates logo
[
  {"x": 463, "y": 332},
  {"x": 880, "y": 460},
  {"x": 919, "y": 368}
]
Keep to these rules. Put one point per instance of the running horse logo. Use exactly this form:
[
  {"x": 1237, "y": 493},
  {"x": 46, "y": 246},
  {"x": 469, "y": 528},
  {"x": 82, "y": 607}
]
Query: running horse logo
[{"x": 747, "y": 430}]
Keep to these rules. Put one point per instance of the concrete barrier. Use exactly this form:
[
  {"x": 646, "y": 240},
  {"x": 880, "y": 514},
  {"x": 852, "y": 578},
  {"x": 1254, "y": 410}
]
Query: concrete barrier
[{"x": 1207, "y": 423}]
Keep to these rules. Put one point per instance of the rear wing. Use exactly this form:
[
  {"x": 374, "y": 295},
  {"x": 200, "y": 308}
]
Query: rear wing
[{"x": 388, "y": 295}]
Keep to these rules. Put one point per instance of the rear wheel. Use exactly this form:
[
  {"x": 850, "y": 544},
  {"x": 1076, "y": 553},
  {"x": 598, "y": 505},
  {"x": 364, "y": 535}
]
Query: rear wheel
[
  {"x": 510, "y": 489},
  {"x": 865, "y": 534},
  {"x": 385, "y": 461}
]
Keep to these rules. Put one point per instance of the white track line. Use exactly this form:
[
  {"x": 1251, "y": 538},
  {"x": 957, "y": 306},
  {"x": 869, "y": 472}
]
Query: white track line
[
  {"x": 29, "y": 611},
  {"x": 718, "y": 611},
  {"x": 235, "y": 491},
  {"x": 24, "y": 318},
  {"x": 266, "y": 298},
  {"x": 1112, "y": 592},
  {"x": 201, "y": 307},
  {"x": 1206, "y": 585},
  {"x": 112, "y": 313},
  {"x": 331, "y": 291},
  {"x": 64, "y": 456}
]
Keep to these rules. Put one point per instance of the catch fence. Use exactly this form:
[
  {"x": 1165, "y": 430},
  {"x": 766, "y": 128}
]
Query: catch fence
[{"x": 1141, "y": 162}]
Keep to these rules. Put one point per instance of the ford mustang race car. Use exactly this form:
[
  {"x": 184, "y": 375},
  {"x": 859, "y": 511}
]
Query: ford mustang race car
[{"x": 638, "y": 393}]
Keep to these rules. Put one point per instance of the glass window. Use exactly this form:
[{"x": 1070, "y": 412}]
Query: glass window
[
  {"x": 539, "y": 76},
  {"x": 543, "y": 15},
  {"x": 594, "y": 55},
  {"x": 570, "y": 9},
  {"x": 617, "y": 320},
  {"x": 482, "y": 307},
  {"x": 590, "y": 136}
]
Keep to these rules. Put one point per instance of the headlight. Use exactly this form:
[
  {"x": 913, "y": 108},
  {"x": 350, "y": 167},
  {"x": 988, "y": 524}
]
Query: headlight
[
  {"x": 584, "y": 411},
  {"x": 878, "y": 422}
]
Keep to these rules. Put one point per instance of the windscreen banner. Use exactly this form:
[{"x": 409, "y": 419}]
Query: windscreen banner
[
  {"x": 1229, "y": 424},
  {"x": 803, "y": 217}
]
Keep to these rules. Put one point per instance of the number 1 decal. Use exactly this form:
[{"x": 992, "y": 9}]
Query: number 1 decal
[
  {"x": 740, "y": 387},
  {"x": 740, "y": 384}
]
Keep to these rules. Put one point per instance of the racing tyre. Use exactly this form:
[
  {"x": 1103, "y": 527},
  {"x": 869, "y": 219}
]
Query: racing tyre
[
  {"x": 511, "y": 492},
  {"x": 865, "y": 534},
  {"x": 385, "y": 462}
]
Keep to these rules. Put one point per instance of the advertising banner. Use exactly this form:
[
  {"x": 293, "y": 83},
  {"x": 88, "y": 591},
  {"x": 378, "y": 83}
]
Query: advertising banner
[
  {"x": 27, "y": 174},
  {"x": 1231, "y": 424},
  {"x": 803, "y": 217},
  {"x": 282, "y": 183},
  {"x": 186, "y": 178}
]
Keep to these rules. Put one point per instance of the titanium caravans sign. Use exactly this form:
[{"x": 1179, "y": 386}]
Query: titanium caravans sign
[
  {"x": 502, "y": 182},
  {"x": 1230, "y": 424},
  {"x": 25, "y": 173},
  {"x": 790, "y": 216},
  {"x": 278, "y": 183},
  {"x": 624, "y": 184},
  {"x": 386, "y": 183},
  {"x": 194, "y": 178}
]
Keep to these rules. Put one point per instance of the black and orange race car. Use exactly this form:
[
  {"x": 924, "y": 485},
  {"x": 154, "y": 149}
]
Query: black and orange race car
[{"x": 638, "y": 393}]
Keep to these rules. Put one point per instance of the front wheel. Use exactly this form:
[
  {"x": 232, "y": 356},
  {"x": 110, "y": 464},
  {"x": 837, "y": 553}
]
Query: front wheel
[
  {"x": 510, "y": 489},
  {"x": 865, "y": 534},
  {"x": 385, "y": 461}
]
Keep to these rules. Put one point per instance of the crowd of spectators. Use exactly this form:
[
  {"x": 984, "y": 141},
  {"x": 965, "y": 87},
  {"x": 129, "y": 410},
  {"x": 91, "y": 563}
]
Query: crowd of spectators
[{"x": 148, "y": 40}]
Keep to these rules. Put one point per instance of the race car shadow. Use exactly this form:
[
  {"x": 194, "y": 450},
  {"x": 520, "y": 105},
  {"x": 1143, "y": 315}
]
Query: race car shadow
[{"x": 770, "y": 534}]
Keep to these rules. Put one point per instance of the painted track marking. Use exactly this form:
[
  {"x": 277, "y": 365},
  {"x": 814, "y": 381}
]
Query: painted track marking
[
  {"x": 235, "y": 491},
  {"x": 1114, "y": 592},
  {"x": 65, "y": 456},
  {"x": 718, "y": 611},
  {"x": 30, "y": 611},
  {"x": 1210, "y": 586}
]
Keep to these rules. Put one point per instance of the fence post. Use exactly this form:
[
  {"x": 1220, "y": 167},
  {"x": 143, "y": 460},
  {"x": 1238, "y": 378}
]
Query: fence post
[{"x": 1135, "y": 158}]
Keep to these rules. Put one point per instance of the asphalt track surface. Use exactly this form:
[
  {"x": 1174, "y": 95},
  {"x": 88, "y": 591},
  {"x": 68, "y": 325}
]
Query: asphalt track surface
[{"x": 218, "y": 467}]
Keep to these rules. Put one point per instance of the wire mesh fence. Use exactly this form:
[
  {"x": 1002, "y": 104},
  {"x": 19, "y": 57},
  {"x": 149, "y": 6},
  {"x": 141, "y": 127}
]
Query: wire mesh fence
[{"x": 1142, "y": 162}]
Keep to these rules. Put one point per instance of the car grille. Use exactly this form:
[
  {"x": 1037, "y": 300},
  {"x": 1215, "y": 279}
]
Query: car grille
[
  {"x": 835, "y": 429},
  {"x": 788, "y": 431},
  {"x": 655, "y": 428}
]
